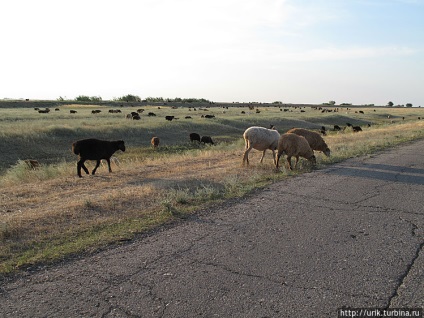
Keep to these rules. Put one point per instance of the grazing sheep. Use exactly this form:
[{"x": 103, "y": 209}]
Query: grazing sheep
[
  {"x": 294, "y": 146},
  {"x": 261, "y": 139},
  {"x": 314, "y": 139},
  {"x": 155, "y": 142},
  {"x": 135, "y": 116},
  {"x": 95, "y": 149},
  {"x": 194, "y": 137},
  {"x": 32, "y": 164},
  {"x": 207, "y": 140},
  {"x": 356, "y": 128}
]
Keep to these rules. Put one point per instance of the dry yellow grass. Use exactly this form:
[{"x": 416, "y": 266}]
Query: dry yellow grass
[{"x": 47, "y": 220}]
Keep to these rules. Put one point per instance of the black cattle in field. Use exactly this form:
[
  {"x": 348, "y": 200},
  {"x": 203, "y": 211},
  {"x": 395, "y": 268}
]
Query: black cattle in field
[{"x": 170, "y": 118}]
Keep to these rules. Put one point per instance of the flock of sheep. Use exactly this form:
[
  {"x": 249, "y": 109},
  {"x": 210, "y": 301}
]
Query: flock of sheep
[{"x": 297, "y": 142}]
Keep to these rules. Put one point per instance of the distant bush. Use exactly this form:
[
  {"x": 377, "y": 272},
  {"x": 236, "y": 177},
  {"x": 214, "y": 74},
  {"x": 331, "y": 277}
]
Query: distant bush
[
  {"x": 128, "y": 98},
  {"x": 83, "y": 98}
]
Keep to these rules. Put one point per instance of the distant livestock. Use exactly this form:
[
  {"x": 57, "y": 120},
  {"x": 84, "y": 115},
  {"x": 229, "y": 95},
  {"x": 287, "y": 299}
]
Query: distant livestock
[
  {"x": 337, "y": 128},
  {"x": 294, "y": 146},
  {"x": 314, "y": 139},
  {"x": 207, "y": 140},
  {"x": 32, "y": 164},
  {"x": 194, "y": 137},
  {"x": 44, "y": 111},
  {"x": 155, "y": 142},
  {"x": 356, "y": 128},
  {"x": 95, "y": 149},
  {"x": 133, "y": 116},
  {"x": 169, "y": 118},
  {"x": 261, "y": 139},
  {"x": 73, "y": 111},
  {"x": 96, "y": 111}
]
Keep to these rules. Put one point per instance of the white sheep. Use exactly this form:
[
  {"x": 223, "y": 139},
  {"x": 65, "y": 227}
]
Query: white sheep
[
  {"x": 314, "y": 139},
  {"x": 261, "y": 139},
  {"x": 294, "y": 146}
]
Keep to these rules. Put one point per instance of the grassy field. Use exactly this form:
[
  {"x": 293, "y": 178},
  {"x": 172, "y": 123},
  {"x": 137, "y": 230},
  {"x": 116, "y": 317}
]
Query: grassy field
[{"x": 49, "y": 214}]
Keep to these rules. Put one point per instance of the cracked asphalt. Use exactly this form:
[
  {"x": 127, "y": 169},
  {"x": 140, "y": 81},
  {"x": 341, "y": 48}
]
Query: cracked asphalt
[{"x": 350, "y": 235}]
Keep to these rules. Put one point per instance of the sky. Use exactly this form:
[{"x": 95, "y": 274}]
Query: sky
[{"x": 293, "y": 51}]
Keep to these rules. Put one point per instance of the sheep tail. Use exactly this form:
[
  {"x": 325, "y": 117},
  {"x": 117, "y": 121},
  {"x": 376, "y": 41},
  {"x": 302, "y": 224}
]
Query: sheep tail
[{"x": 75, "y": 148}]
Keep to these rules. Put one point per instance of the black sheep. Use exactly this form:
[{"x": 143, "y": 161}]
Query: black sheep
[
  {"x": 194, "y": 136},
  {"x": 95, "y": 149},
  {"x": 206, "y": 140}
]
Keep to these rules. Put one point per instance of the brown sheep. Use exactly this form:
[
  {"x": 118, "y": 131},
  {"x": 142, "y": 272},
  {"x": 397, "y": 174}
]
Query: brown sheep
[
  {"x": 294, "y": 146},
  {"x": 314, "y": 139},
  {"x": 32, "y": 164},
  {"x": 155, "y": 142}
]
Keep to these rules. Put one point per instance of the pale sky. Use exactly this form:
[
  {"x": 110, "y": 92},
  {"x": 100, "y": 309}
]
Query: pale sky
[{"x": 294, "y": 51}]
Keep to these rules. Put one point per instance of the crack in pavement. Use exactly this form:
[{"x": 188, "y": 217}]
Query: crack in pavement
[{"x": 403, "y": 277}]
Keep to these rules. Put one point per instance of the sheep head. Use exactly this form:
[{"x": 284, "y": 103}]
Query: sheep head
[
  {"x": 327, "y": 152},
  {"x": 121, "y": 145}
]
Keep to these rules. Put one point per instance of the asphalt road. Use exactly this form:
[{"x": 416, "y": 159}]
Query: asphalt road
[{"x": 351, "y": 235}]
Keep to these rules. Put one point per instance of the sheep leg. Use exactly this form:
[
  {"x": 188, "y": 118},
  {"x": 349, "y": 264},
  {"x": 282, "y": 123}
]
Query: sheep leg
[
  {"x": 95, "y": 168},
  {"x": 297, "y": 160},
  {"x": 246, "y": 154},
  {"x": 108, "y": 163},
  {"x": 289, "y": 162},
  {"x": 277, "y": 159},
  {"x": 80, "y": 165},
  {"x": 263, "y": 155}
]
